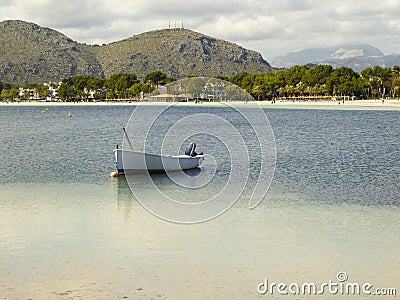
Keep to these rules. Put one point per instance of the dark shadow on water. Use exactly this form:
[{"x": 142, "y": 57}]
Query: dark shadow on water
[{"x": 193, "y": 172}]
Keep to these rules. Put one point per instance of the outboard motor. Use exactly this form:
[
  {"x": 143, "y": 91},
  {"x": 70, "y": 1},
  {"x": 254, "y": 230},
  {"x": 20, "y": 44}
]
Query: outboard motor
[{"x": 190, "y": 150}]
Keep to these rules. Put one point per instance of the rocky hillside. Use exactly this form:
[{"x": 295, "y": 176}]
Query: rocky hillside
[
  {"x": 178, "y": 53},
  {"x": 33, "y": 54}
]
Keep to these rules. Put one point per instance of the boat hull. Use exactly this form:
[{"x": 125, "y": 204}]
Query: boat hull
[{"x": 128, "y": 161}]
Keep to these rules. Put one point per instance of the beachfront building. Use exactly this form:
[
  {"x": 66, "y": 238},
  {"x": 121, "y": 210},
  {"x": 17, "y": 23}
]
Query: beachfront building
[
  {"x": 196, "y": 89},
  {"x": 213, "y": 92},
  {"x": 167, "y": 98},
  {"x": 48, "y": 93},
  {"x": 90, "y": 93},
  {"x": 31, "y": 94},
  {"x": 53, "y": 88}
]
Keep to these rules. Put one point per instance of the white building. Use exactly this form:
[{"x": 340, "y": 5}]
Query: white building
[{"x": 53, "y": 88}]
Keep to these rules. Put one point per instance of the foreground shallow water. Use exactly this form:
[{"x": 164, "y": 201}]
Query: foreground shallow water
[{"x": 68, "y": 231}]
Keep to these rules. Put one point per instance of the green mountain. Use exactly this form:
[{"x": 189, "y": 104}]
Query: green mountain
[{"x": 34, "y": 54}]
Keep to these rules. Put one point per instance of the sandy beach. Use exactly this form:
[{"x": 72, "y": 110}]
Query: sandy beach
[{"x": 392, "y": 104}]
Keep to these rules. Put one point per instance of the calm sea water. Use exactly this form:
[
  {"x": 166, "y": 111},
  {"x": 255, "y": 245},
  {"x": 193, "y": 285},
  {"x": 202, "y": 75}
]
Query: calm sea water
[{"x": 68, "y": 231}]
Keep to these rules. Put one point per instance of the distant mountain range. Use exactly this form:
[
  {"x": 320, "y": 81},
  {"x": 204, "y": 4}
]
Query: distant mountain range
[
  {"x": 357, "y": 56},
  {"x": 33, "y": 54}
]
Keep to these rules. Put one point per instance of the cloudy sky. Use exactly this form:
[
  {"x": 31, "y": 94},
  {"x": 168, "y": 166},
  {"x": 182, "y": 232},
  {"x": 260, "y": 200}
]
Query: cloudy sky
[{"x": 271, "y": 27}]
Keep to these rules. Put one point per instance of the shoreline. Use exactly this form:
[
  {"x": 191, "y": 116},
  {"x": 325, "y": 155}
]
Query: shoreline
[{"x": 362, "y": 104}]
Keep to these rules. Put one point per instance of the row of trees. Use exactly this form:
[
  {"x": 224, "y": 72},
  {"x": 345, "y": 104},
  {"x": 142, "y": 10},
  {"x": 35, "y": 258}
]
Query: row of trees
[
  {"x": 322, "y": 81},
  {"x": 118, "y": 86},
  {"x": 296, "y": 82}
]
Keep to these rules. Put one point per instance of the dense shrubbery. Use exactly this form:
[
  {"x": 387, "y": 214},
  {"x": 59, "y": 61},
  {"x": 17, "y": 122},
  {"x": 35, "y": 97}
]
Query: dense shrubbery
[{"x": 319, "y": 81}]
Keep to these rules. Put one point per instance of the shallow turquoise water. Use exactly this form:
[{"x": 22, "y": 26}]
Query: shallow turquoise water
[{"x": 68, "y": 231}]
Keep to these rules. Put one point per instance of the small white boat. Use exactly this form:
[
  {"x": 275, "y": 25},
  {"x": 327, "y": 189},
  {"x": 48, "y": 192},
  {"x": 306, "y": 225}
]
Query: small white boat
[{"x": 129, "y": 161}]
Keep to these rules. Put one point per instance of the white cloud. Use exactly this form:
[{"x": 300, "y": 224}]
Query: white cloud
[{"x": 270, "y": 27}]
